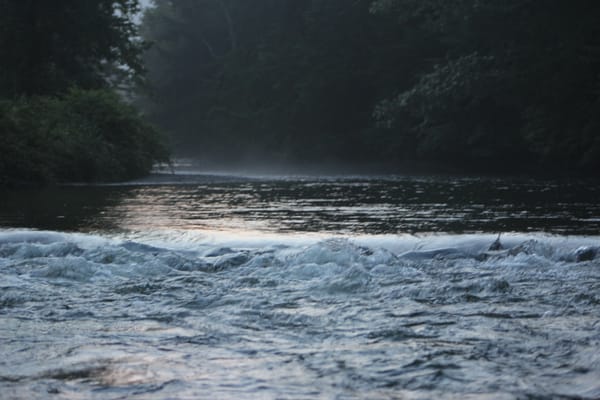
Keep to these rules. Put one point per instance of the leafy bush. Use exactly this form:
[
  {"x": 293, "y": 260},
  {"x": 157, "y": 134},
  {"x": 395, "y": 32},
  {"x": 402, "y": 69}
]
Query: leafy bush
[
  {"x": 81, "y": 136},
  {"x": 460, "y": 114}
]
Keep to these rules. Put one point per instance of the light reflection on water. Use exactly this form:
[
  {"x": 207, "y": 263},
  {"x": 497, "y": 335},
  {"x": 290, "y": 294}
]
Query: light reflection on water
[
  {"x": 316, "y": 305},
  {"x": 350, "y": 205}
]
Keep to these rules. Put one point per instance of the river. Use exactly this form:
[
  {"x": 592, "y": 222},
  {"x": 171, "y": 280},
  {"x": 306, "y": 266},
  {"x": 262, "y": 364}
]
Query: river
[{"x": 187, "y": 286}]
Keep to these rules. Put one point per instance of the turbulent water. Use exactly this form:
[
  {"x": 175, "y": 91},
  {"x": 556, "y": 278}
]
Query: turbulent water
[{"x": 298, "y": 289}]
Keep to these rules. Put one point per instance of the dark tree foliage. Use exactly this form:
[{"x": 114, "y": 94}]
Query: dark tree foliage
[
  {"x": 60, "y": 118},
  {"x": 49, "y": 46},
  {"x": 85, "y": 135},
  {"x": 477, "y": 85},
  {"x": 291, "y": 80},
  {"x": 519, "y": 78}
]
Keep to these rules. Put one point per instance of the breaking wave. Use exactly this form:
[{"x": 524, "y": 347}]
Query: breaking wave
[{"x": 188, "y": 313}]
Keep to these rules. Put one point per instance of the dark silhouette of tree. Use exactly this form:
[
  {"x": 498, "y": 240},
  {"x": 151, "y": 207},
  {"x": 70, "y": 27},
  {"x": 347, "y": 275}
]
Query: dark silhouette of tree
[
  {"x": 460, "y": 84},
  {"x": 61, "y": 119},
  {"x": 49, "y": 46}
]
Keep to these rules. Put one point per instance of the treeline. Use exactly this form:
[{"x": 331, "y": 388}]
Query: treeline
[
  {"x": 474, "y": 85},
  {"x": 64, "y": 68}
]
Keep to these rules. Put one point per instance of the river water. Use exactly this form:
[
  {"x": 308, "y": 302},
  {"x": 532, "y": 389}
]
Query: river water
[{"x": 193, "y": 286}]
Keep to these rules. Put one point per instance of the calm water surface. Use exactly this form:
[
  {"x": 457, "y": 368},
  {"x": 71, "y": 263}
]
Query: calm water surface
[
  {"x": 196, "y": 286},
  {"x": 334, "y": 205}
]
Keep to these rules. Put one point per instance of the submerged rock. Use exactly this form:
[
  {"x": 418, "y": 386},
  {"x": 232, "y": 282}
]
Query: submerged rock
[
  {"x": 497, "y": 245},
  {"x": 586, "y": 253},
  {"x": 496, "y": 249}
]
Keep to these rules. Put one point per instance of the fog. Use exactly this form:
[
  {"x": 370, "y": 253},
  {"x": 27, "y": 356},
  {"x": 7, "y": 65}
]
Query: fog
[{"x": 458, "y": 86}]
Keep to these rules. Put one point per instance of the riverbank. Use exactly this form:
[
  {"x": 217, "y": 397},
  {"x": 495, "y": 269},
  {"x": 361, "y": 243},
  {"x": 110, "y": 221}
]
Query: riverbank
[{"x": 81, "y": 136}]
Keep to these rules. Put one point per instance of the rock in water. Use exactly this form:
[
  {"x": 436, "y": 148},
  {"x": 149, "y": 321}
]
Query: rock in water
[
  {"x": 497, "y": 245},
  {"x": 586, "y": 253}
]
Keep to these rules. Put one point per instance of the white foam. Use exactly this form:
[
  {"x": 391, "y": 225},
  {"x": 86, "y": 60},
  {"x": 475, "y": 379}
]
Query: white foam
[{"x": 159, "y": 252}]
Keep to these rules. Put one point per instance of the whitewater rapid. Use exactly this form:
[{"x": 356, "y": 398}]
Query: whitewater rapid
[{"x": 188, "y": 314}]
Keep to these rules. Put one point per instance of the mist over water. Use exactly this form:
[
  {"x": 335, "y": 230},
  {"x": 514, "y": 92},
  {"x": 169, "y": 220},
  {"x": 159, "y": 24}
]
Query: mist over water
[{"x": 193, "y": 286}]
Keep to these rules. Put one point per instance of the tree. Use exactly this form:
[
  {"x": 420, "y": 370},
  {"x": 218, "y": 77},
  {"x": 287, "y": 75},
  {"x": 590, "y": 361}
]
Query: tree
[
  {"x": 458, "y": 83},
  {"x": 61, "y": 118},
  {"x": 517, "y": 78},
  {"x": 299, "y": 84},
  {"x": 49, "y": 46}
]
